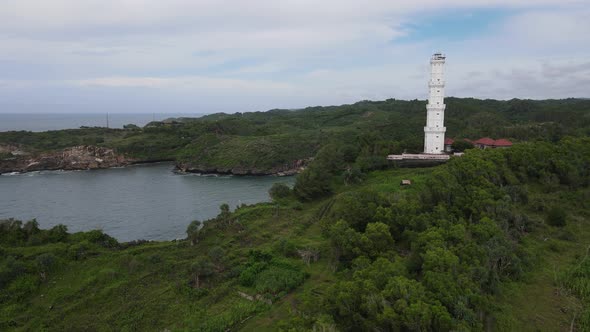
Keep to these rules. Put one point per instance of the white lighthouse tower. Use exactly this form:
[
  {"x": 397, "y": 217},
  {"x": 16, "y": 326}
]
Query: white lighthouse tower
[{"x": 434, "y": 132}]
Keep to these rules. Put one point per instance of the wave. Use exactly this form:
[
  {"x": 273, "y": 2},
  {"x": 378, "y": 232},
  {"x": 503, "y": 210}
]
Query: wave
[
  {"x": 11, "y": 174},
  {"x": 205, "y": 175}
]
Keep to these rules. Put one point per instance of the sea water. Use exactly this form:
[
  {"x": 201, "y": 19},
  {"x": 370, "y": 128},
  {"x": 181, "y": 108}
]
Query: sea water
[{"x": 149, "y": 201}]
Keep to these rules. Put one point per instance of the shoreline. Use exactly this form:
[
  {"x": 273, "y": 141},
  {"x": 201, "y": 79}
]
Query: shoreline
[
  {"x": 88, "y": 157},
  {"x": 176, "y": 169},
  {"x": 230, "y": 173}
]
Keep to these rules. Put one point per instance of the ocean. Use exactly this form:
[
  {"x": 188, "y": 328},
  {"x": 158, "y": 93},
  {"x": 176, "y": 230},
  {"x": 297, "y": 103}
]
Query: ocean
[
  {"x": 148, "y": 202},
  {"x": 57, "y": 121},
  {"x": 138, "y": 202}
]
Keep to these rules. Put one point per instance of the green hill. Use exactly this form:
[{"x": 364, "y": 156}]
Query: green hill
[
  {"x": 266, "y": 142},
  {"x": 496, "y": 239}
]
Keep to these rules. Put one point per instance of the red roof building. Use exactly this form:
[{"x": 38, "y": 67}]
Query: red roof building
[
  {"x": 502, "y": 143},
  {"x": 484, "y": 142}
]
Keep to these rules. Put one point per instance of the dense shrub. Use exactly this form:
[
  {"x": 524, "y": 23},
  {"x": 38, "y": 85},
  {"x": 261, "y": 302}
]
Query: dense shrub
[
  {"x": 556, "y": 216},
  {"x": 10, "y": 269},
  {"x": 277, "y": 279},
  {"x": 267, "y": 274},
  {"x": 357, "y": 208},
  {"x": 461, "y": 145},
  {"x": 313, "y": 182},
  {"x": 279, "y": 191},
  {"x": 286, "y": 247},
  {"x": 46, "y": 262},
  {"x": 460, "y": 242},
  {"x": 99, "y": 237}
]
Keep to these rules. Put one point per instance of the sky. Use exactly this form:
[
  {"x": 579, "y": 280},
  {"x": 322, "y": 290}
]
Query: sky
[{"x": 202, "y": 56}]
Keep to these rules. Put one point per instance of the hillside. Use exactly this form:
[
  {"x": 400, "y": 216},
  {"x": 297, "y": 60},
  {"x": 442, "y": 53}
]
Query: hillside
[
  {"x": 496, "y": 240},
  {"x": 282, "y": 140}
]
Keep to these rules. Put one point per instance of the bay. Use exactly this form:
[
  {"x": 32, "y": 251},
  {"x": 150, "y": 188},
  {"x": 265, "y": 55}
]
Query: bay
[{"x": 139, "y": 202}]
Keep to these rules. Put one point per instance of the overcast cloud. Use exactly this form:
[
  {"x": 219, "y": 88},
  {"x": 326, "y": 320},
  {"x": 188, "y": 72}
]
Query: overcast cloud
[{"x": 209, "y": 56}]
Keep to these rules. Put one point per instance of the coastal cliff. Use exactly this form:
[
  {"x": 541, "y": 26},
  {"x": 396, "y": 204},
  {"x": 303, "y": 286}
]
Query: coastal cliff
[
  {"x": 74, "y": 158},
  {"x": 15, "y": 159}
]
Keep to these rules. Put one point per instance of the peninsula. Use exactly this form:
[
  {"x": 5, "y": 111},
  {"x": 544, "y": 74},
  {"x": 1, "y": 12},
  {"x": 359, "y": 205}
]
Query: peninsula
[{"x": 283, "y": 142}]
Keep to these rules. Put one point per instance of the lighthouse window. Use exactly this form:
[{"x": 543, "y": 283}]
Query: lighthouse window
[{"x": 437, "y": 113}]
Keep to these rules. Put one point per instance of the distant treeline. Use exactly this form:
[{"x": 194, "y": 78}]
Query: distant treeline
[{"x": 267, "y": 140}]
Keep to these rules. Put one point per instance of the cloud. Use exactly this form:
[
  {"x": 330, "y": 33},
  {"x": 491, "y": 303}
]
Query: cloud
[
  {"x": 195, "y": 83},
  {"x": 284, "y": 54},
  {"x": 115, "y": 82}
]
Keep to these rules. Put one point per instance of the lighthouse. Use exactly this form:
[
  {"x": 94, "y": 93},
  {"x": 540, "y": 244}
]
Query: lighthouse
[{"x": 434, "y": 131}]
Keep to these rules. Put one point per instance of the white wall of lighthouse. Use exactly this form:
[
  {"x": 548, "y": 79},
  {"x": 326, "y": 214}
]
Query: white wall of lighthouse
[{"x": 434, "y": 131}]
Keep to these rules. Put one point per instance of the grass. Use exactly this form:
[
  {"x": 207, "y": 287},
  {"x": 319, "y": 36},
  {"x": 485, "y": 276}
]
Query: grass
[
  {"x": 389, "y": 181},
  {"x": 148, "y": 286},
  {"x": 540, "y": 302}
]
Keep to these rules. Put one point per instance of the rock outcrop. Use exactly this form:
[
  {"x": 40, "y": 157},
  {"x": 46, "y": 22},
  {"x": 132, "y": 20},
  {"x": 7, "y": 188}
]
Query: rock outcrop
[
  {"x": 292, "y": 168},
  {"x": 16, "y": 159},
  {"x": 74, "y": 158}
]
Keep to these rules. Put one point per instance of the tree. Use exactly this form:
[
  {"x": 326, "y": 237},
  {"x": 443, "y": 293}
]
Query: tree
[
  {"x": 376, "y": 239},
  {"x": 352, "y": 175},
  {"x": 216, "y": 254},
  {"x": 224, "y": 215},
  {"x": 461, "y": 145},
  {"x": 345, "y": 240},
  {"x": 202, "y": 267},
  {"x": 312, "y": 183},
  {"x": 31, "y": 227},
  {"x": 356, "y": 207},
  {"x": 58, "y": 233},
  {"x": 556, "y": 216},
  {"x": 131, "y": 126},
  {"x": 279, "y": 191},
  {"x": 193, "y": 231}
]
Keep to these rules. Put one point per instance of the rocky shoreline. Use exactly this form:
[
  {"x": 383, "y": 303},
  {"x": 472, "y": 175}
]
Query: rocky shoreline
[
  {"x": 82, "y": 157},
  {"x": 288, "y": 169},
  {"x": 87, "y": 157}
]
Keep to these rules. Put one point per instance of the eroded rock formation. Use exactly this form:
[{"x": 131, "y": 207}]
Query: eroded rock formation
[
  {"x": 284, "y": 170},
  {"x": 74, "y": 158}
]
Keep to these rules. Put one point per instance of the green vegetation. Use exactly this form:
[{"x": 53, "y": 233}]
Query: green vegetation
[
  {"x": 279, "y": 191},
  {"x": 576, "y": 280},
  {"x": 461, "y": 145},
  {"x": 266, "y": 142},
  {"x": 468, "y": 246},
  {"x": 494, "y": 240},
  {"x": 556, "y": 217}
]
